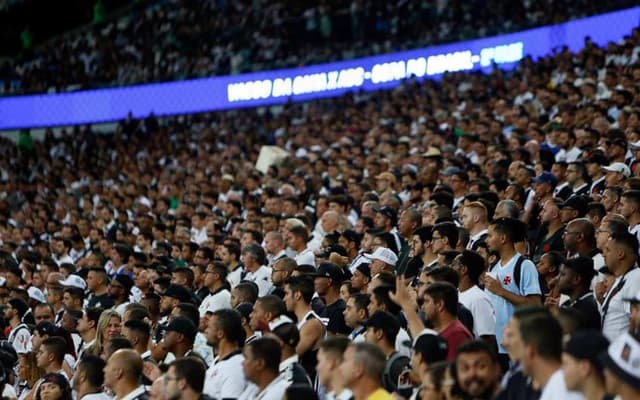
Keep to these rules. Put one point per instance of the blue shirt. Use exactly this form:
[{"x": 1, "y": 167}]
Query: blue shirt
[{"x": 529, "y": 285}]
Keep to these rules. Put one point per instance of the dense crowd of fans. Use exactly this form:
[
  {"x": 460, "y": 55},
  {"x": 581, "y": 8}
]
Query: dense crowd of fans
[
  {"x": 180, "y": 39},
  {"x": 471, "y": 238}
]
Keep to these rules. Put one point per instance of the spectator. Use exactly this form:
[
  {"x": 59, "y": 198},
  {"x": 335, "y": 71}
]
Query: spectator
[
  {"x": 122, "y": 374},
  {"x": 254, "y": 259},
  {"x": 477, "y": 369},
  {"x": 621, "y": 377},
  {"x": 362, "y": 368},
  {"x": 188, "y": 374},
  {"x": 583, "y": 371},
  {"x": 330, "y": 357},
  {"x": 327, "y": 282},
  {"x": 89, "y": 378},
  {"x": 260, "y": 365}
]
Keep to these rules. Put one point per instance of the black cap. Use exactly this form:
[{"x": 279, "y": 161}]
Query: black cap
[
  {"x": 332, "y": 248},
  {"x": 431, "y": 346},
  {"x": 125, "y": 281},
  {"x": 183, "y": 326},
  {"x": 380, "y": 320},
  {"x": 587, "y": 345},
  {"x": 389, "y": 213},
  {"x": 178, "y": 292},
  {"x": 597, "y": 157},
  {"x": 329, "y": 270},
  {"x": 365, "y": 269},
  {"x": 578, "y": 203},
  {"x": 47, "y": 328}
]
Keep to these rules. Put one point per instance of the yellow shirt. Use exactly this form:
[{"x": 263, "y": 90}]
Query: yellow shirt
[{"x": 380, "y": 394}]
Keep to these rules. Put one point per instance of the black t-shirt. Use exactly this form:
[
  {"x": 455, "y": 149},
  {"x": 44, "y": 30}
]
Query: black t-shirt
[
  {"x": 334, "y": 312},
  {"x": 588, "y": 307},
  {"x": 103, "y": 301}
]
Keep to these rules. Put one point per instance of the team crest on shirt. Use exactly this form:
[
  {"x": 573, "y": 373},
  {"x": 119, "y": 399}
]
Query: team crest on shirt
[{"x": 506, "y": 280}]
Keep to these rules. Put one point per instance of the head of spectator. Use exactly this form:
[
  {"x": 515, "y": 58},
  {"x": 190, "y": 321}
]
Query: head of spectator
[
  {"x": 185, "y": 379},
  {"x": 262, "y": 361},
  {"x": 327, "y": 280},
  {"x": 385, "y": 218},
  {"x": 123, "y": 373},
  {"x": 478, "y": 370},
  {"x": 14, "y": 310},
  {"x": 138, "y": 333},
  {"x": 440, "y": 304},
  {"x": 109, "y": 326},
  {"x": 114, "y": 344},
  {"x": 229, "y": 253},
  {"x": 53, "y": 386},
  {"x": 362, "y": 368},
  {"x": 630, "y": 206},
  {"x": 620, "y": 252},
  {"x": 172, "y": 296},
  {"x": 541, "y": 336},
  {"x": 330, "y": 356},
  {"x": 179, "y": 336},
  {"x": 253, "y": 256},
  {"x": 265, "y": 310},
  {"x": 444, "y": 237},
  {"x": 51, "y": 354},
  {"x": 73, "y": 298},
  {"x": 382, "y": 259},
  {"x": 97, "y": 281},
  {"x": 410, "y": 219},
  {"x": 616, "y": 173},
  {"x": 581, "y": 364},
  {"x": 572, "y": 208},
  {"x": 361, "y": 277},
  {"x": 428, "y": 349},
  {"x": 244, "y": 292},
  {"x": 282, "y": 269},
  {"x": 575, "y": 276},
  {"x": 43, "y": 312},
  {"x": 611, "y": 198},
  {"x": 382, "y": 329}
]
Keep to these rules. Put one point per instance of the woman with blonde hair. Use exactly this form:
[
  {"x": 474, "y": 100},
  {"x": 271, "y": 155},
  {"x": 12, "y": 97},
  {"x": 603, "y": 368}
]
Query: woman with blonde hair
[{"x": 109, "y": 326}]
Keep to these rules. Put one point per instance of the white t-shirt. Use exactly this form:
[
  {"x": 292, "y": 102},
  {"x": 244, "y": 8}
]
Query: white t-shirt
[
  {"x": 274, "y": 391},
  {"x": 305, "y": 257},
  {"x": 484, "y": 317},
  {"x": 556, "y": 389},
  {"x": 615, "y": 311},
  {"x": 215, "y": 301},
  {"x": 225, "y": 377},
  {"x": 20, "y": 338},
  {"x": 262, "y": 278}
]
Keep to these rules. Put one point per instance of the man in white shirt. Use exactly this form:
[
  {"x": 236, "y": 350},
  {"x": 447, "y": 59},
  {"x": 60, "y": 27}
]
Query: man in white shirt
[
  {"x": 297, "y": 241},
  {"x": 274, "y": 247},
  {"x": 469, "y": 265},
  {"x": 215, "y": 280},
  {"x": 261, "y": 367},
  {"x": 582, "y": 368},
  {"x": 20, "y": 334},
  {"x": 123, "y": 373},
  {"x": 185, "y": 379},
  {"x": 474, "y": 219},
  {"x": 541, "y": 336},
  {"x": 225, "y": 377},
  {"x": 89, "y": 377},
  {"x": 620, "y": 253},
  {"x": 256, "y": 272}
]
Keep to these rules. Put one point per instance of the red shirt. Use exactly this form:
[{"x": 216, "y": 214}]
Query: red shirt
[{"x": 455, "y": 334}]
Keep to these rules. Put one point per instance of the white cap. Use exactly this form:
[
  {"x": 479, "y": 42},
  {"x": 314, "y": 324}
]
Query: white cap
[
  {"x": 385, "y": 255},
  {"x": 283, "y": 319},
  {"x": 74, "y": 280},
  {"x": 3, "y": 281},
  {"x": 623, "y": 359},
  {"x": 618, "y": 167},
  {"x": 144, "y": 201},
  {"x": 36, "y": 294}
]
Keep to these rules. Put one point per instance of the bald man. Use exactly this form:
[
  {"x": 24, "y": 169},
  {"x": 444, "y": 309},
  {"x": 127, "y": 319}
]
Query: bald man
[{"x": 123, "y": 373}]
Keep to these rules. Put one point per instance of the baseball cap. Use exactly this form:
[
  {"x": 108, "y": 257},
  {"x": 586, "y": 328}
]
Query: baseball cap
[
  {"x": 587, "y": 345},
  {"x": 618, "y": 167},
  {"x": 432, "y": 152},
  {"x": 333, "y": 248},
  {"x": 74, "y": 280},
  {"x": 3, "y": 282},
  {"x": 634, "y": 299},
  {"x": 381, "y": 319},
  {"x": 36, "y": 294},
  {"x": 364, "y": 269},
  {"x": 329, "y": 270},
  {"x": 389, "y": 213},
  {"x": 431, "y": 346},
  {"x": 47, "y": 328},
  {"x": 178, "y": 292},
  {"x": 385, "y": 255},
  {"x": 546, "y": 177},
  {"x": 623, "y": 359},
  {"x": 125, "y": 281},
  {"x": 450, "y": 171},
  {"x": 578, "y": 203},
  {"x": 183, "y": 326}
]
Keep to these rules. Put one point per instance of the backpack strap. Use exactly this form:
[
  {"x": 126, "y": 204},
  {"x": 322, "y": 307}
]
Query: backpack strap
[{"x": 517, "y": 271}]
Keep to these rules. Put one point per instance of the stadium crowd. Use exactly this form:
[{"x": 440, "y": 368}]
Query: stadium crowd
[
  {"x": 469, "y": 238},
  {"x": 180, "y": 39}
]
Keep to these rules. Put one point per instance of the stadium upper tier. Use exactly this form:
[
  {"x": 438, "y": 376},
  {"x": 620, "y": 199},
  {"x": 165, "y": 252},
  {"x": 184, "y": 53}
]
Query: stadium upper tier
[{"x": 182, "y": 39}]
